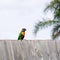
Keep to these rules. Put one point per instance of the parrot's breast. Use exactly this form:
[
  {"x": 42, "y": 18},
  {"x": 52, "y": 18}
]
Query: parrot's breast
[{"x": 23, "y": 33}]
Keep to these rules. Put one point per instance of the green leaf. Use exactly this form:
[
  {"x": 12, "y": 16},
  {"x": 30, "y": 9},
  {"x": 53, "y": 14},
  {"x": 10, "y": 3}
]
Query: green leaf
[{"x": 43, "y": 24}]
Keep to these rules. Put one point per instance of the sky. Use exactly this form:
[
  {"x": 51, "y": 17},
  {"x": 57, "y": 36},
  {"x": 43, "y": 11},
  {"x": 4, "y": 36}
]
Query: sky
[{"x": 18, "y": 14}]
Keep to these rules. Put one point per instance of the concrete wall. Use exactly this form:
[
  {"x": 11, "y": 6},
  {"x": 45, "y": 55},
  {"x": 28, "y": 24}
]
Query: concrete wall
[{"x": 29, "y": 50}]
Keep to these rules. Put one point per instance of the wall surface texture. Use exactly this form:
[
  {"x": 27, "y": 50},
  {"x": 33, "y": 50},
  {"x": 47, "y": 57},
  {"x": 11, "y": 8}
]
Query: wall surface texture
[{"x": 29, "y": 50}]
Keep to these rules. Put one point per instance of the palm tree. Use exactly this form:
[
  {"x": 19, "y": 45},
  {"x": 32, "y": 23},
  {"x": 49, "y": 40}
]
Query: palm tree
[{"x": 55, "y": 7}]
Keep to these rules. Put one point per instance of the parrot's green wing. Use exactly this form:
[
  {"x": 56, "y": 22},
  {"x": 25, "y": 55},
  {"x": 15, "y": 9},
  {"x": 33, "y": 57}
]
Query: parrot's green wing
[{"x": 19, "y": 37}]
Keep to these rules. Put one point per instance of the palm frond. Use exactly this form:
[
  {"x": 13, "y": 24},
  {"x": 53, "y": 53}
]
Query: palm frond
[
  {"x": 57, "y": 13},
  {"x": 55, "y": 7},
  {"x": 50, "y": 6},
  {"x": 55, "y": 4},
  {"x": 55, "y": 31},
  {"x": 42, "y": 24},
  {"x": 56, "y": 35},
  {"x": 56, "y": 28}
]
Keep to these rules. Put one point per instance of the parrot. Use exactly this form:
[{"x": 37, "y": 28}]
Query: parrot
[{"x": 22, "y": 34}]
